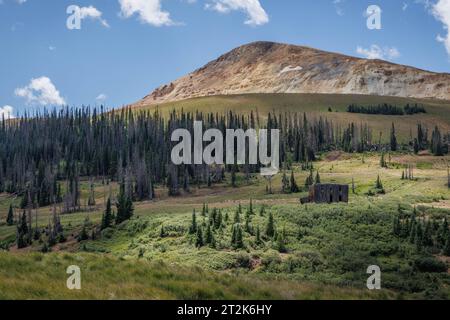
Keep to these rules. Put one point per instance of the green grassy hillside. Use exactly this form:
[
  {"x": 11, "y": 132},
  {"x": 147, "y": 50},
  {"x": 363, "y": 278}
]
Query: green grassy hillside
[
  {"x": 438, "y": 112},
  {"x": 39, "y": 276},
  {"x": 328, "y": 247}
]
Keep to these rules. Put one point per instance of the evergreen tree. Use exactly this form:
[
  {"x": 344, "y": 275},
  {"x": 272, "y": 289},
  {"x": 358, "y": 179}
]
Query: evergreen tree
[
  {"x": 262, "y": 210},
  {"x": 446, "y": 250},
  {"x": 427, "y": 240},
  {"x": 383, "y": 163},
  {"x": 379, "y": 185},
  {"x": 250, "y": 208},
  {"x": 22, "y": 239},
  {"x": 208, "y": 235},
  {"x": 258, "y": 236},
  {"x": 285, "y": 187},
  {"x": 218, "y": 221},
  {"x": 199, "y": 239},
  {"x": 237, "y": 241},
  {"x": 270, "y": 229},
  {"x": 310, "y": 179},
  {"x": 294, "y": 186},
  {"x": 83, "y": 234},
  {"x": 10, "y": 217},
  {"x": 237, "y": 215},
  {"x": 280, "y": 243},
  {"x": 393, "y": 139},
  {"x": 107, "y": 217},
  {"x": 193, "y": 228},
  {"x": 124, "y": 205},
  {"x": 418, "y": 240},
  {"x": 317, "y": 178}
]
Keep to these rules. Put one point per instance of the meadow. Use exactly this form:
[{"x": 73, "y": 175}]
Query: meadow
[{"x": 317, "y": 252}]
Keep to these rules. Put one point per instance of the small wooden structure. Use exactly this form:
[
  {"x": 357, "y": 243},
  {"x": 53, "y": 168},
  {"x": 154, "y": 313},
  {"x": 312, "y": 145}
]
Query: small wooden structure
[{"x": 327, "y": 193}]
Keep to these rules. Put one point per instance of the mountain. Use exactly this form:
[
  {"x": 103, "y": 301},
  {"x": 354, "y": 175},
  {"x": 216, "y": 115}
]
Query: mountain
[{"x": 268, "y": 67}]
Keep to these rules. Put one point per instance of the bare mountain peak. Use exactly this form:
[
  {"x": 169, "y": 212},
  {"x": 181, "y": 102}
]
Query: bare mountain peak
[{"x": 269, "y": 67}]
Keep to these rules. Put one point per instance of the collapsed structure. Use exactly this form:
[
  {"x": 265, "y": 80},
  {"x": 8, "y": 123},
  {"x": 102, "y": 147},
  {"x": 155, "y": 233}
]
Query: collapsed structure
[{"x": 327, "y": 193}]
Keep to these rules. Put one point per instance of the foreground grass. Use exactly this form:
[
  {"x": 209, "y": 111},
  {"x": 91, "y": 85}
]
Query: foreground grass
[{"x": 39, "y": 276}]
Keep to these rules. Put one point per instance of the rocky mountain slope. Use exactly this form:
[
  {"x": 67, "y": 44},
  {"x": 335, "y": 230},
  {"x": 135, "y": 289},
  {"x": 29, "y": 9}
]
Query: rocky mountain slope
[{"x": 267, "y": 67}]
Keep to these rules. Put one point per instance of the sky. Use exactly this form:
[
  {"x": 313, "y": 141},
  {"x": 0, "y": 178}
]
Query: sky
[{"x": 123, "y": 49}]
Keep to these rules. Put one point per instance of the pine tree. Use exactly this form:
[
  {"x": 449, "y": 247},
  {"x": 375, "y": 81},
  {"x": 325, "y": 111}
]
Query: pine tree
[
  {"x": 193, "y": 228},
  {"x": 446, "y": 250},
  {"x": 443, "y": 233},
  {"x": 383, "y": 163},
  {"x": 199, "y": 239},
  {"x": 218, "y": 221},
  {"x": 10, "y": 217},
  {"x": 83, "y": 234},
  {"x": 107, "y": 217},
  {"x": 310, "y": 179},
  {"x": 285, "y": 184},
  {"x": 427, "y": 240},
  {"x": 208, "y": 235},
  {"x": 258, "y": 236},
  {"x": 317, "y": 178},
  {"x": 262, "y": 210},
  {"x": 124, "y": 205},
  {"x": 280, "y": 243},
  {"x": 393, "y": 139},
  {"x": 22, "y": 232},
  {"x": 237, "y": 241},
  {"x": 270, "y": 229},
  {"x": 294, "y": 186},
  {"x": 379, "y": 185},
  {"x": 419, "y": 237},
  {"x": 248, "y": 228},
  {"x": 250, "y": 208},
  {"x": 237, "y": 215}
]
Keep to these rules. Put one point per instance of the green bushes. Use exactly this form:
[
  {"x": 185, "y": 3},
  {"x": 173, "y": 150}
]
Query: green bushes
[{"x": 430, "y": 264}]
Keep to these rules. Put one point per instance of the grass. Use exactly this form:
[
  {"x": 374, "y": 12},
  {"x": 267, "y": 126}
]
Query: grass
[{"x": 38, "y": 276}]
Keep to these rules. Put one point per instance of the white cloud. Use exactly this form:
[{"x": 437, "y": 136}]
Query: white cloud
[
  {"x": 405, "y": 6},
  {"x": 256, "y": 14},
  {"x": 338, "y": 7},
  {"x": 149, "y": 11},
  {"x": 40, "y": 91},
  {"x": 101, "y": 97},
  {"x": 21, "y": 1},
  {"x": 376, "y": 52},
  {"x": 93, "y": 13},
  {"x": 441, "y": 11},
  {"x": 7, "y": 112}
]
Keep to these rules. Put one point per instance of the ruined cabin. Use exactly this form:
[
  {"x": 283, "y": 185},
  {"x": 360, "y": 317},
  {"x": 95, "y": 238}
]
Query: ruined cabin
[{"x": 327, "y": 193}]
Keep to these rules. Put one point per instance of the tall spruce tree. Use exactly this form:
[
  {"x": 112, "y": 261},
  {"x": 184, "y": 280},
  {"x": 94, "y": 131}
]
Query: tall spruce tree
[
  {"x": 10, "y": 217},
  {"x": 107, "y": 217}
]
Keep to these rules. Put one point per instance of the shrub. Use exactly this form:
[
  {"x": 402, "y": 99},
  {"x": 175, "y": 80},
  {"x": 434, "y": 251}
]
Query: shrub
[{"x": 430, "y": 265}]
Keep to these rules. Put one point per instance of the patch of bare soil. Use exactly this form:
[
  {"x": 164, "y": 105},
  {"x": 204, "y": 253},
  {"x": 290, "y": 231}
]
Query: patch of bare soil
[
  {"x": 334, "y": 156},
  {"x": 443, "y": 204},
  {"x": 446, "y": 260}
]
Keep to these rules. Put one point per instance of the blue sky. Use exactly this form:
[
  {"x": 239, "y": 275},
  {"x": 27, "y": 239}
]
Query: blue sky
[{"x": 126, "y": 48}]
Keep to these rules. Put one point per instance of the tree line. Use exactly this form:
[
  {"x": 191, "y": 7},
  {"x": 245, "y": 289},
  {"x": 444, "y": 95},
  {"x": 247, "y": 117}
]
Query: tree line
[{"x": 387, "y": 109}]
